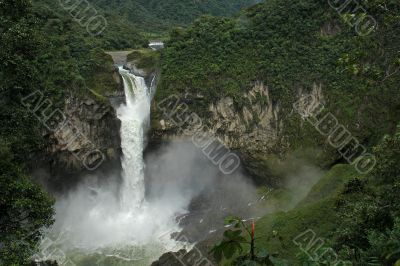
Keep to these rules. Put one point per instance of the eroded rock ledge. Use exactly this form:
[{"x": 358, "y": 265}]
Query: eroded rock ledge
[
  {"x": 256, "y": 130},
  {"x": 94, "y": 126}
]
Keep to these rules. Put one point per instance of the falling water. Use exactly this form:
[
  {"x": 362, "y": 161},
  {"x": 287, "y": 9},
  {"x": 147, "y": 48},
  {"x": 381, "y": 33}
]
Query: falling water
[
  {"x": 94, "y": 224},
  {"x": 134, "y": 117}
]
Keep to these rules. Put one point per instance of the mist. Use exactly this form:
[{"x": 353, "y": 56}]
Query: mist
[
  {"x": 296, "y": 174},
  {"x": 181, "y": 183}
]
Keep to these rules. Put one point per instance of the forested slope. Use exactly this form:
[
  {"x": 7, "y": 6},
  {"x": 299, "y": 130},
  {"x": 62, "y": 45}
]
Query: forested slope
[
  {"x": 43, "y": 52},
  {"x": 291, "y": 48},
  {"x": 266, "y": 59},
  {"x": 49, "y": 47},
  {"x": 113, "y": 32},
  {"x": 159, "y": 16}
]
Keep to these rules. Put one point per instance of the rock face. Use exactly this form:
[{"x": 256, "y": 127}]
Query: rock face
[
  {"x": 169, "y": 259},
  {"x": 255, "y": 127},
  {"x": 199, "y": 255},
  {"x": 258, "y": 129},
  {"x": 89, "y": 139},
  {"x": 254, "y": 130},
  {"x": 119, "y": 57}
]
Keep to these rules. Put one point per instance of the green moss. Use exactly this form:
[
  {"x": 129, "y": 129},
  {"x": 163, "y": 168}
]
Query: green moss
[
  {"x": 331, "y": 183},
  {"x": 316, "y": 212},
  {"x": 99, "y": 77},
  {"x": 99, "y": 97},
  {"x": 275, "y": 199},
  {"x": 277, "y": 231},
  {"x": 145, "y": 59}
]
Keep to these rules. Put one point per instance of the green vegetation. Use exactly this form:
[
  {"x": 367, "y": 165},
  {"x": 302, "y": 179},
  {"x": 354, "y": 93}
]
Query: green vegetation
[
  {"x": 160, "y": 16},
  {"x": 355, "y": 215},
  {"x": 330, "y": 184},
  {"x": 145, "y": 59},
  {"x": 236, "y": 249},
  {"x": 41, "y": 50},
  {"x": 131, "y": 23},
  {"x": 118, "y": 34},
  {"x": 291, "y": 46},
  {"x": 316, "y": 212},
  {"x": 24, "y": 207},
  {"x": 98, "y": 75},
  {"x": 369, "y": 210},
  {"x": 72, "y": 60},
  {"x": 288, "y": 45}
]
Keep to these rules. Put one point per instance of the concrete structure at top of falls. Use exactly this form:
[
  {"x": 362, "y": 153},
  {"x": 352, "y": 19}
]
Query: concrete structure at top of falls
[{"x": 156, "y": 45}]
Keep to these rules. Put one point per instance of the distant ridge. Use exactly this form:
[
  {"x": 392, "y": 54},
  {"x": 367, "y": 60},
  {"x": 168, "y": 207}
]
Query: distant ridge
[{"x": 155, "y": 15}]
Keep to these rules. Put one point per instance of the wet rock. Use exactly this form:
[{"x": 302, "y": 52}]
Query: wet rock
[{"x": 170, "y": 259}]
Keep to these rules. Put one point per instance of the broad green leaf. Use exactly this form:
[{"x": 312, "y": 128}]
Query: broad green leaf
[{"x": 262, "y": 254}]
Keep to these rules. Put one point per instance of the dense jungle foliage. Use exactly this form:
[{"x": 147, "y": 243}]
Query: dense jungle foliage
[
  {"x": 71, "y": 24},
  {"x": 47, "y": 52},
  {"x": 290, "y": 46},
  {"x": 347, "y": 217},
  {"x": 158, "y": 16},
  {"x": 45, "y": 48},
  {"x": 25, "y": 208}
]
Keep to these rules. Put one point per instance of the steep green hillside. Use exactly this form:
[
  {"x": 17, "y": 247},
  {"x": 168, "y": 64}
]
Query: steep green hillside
[
  {"x": 316, "y": 212},
  {"x": 356, "y": 215},
  {"x": 291, "y": 46},
  {"x": 118, "y": 33},
  {"x": 346, "y": 217},
  {"x": 126, "y": 22},
  {"x": 157, "y": 15},
  {"x": 25, "y": 208}
]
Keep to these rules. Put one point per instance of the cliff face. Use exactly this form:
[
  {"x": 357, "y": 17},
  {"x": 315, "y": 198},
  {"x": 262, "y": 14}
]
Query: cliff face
[
  {"x": 258, "y": 130},
  {"x": 255, "y": 126},
  {"x": 90, "y": 138}
]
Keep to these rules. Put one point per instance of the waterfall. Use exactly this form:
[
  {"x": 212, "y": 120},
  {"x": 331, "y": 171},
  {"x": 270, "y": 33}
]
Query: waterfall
[
  {"x": 102, "y": 220},
  {"x": 134, "y": 117}
]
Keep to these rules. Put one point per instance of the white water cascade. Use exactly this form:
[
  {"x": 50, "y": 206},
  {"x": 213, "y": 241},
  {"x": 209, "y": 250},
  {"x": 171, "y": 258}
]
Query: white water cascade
[
  {"x": 134, "y": 118},
  {"x": 102, "y": 221}
]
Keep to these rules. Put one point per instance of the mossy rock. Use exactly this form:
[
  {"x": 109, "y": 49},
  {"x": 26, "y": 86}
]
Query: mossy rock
[
  {"x": 99, "y": 79},
  {"x": 145, "y": 59}
]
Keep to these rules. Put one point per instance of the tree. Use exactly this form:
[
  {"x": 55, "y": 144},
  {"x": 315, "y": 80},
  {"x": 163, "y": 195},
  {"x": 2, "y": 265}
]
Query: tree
[
  {"x": 242, "y": 250},
  {"x": 369, "y": 210},
  {"x": 24, "y": 207}
]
